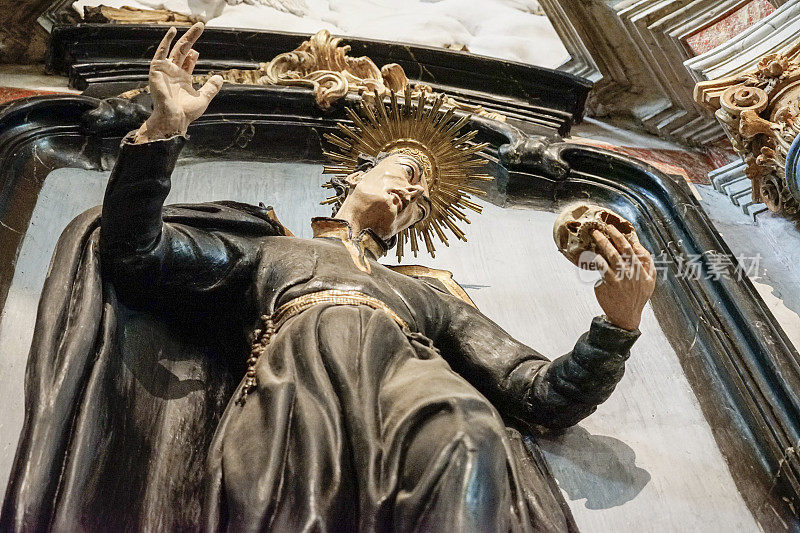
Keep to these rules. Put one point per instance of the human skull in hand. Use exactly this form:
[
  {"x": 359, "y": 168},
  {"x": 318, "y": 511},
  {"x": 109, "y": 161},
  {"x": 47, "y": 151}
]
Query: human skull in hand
[{"x": 573, "y": 229}]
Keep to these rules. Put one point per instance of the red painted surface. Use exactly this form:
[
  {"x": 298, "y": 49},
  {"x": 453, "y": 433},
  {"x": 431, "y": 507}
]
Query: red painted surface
[
  {"x": 728, "y": 27},
  {"x": 693, "y": 165},
  {"x": 13, "y": 93}
]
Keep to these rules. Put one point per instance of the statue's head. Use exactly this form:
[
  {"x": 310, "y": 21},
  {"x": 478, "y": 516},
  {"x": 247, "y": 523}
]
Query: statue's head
[
  {"x": 387, "y": 194},
  {"x": 405, "y": 170}
]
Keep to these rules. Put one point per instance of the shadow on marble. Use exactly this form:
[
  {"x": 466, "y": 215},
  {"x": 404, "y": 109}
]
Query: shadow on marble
[{"x": 600, "y": 469}]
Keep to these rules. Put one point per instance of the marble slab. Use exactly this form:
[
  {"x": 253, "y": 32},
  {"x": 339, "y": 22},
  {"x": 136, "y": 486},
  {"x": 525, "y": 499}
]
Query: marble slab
[
  {"x": 772, "y": 34},
  {"x": 728, "y": 27}
]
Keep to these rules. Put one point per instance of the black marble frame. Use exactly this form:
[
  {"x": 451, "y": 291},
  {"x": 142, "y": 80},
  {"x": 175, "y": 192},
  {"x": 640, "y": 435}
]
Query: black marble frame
[
  {"x": 117, "y": 56},
  {"x": 739, "y": 362}
]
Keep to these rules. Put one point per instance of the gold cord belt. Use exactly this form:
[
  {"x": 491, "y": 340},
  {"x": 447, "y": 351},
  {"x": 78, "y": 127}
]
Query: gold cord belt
[{"x": 292, "y": 308}]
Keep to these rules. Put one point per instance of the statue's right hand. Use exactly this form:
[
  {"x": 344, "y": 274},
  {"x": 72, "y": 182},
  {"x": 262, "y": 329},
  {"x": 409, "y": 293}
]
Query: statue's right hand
[{"x": 176, "y": 103}]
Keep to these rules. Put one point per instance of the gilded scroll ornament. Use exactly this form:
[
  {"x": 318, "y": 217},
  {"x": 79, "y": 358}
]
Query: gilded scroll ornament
[
  {"x": 322, "y": 64},
  {"x": 759, "y": 111}
]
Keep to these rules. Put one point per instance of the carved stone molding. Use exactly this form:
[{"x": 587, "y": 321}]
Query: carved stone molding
[
  {"x": 659, "y": 30},
  {"x": 580, "y": 62},
  {"x": 593, "y": 35},
  {"x": 639, "y": 19},
  {"x": 322, "y": 64},
  {"x": 760, "y": 112},
  {"x": 639, "y": 48},
  {"x": 732, "y": 180}
]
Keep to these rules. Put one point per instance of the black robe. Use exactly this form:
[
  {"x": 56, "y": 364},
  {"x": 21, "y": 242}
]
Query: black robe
[{"x": 356, "y": 424}]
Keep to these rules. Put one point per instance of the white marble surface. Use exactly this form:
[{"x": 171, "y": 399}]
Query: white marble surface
[
  {"x": 645, "y": 458},
  {"x": 508, "y": 29},
  {"x": 775, "y": 241},
  {"x": 32, "y": 77}
]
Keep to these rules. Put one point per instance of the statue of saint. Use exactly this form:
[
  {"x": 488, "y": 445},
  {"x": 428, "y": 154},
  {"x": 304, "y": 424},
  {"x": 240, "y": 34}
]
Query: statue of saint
[{"x": 372, "y": 398}]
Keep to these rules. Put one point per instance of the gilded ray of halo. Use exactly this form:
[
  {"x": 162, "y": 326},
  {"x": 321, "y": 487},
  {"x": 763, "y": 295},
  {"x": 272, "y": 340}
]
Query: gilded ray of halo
[{"x": 420, "y": 126}]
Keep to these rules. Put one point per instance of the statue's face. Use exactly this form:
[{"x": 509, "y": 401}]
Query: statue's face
[{"x": 390, "y": 197}]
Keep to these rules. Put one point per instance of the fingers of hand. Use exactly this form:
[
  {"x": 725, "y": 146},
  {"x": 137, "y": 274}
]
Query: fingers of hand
[
  {"x": 623, "y": 246},
  {"x": 163, "y": 46},
  {"x": 645, "y": 259},
  {"x": 190, "y": 61},
  {"x": 632, "y": 267},
  {"x": 159, "y": 85},
  {"x": 211, "y": 87},
  {"x": 185, "y": 43},
  {"x": 605, "y": 270},
  {"x": 162, "y": 65},
  {"x": 606, "y": 249}
]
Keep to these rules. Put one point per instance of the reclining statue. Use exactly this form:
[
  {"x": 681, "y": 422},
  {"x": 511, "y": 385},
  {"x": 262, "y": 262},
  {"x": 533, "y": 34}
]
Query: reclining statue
[{"x": 198, "y": 367}]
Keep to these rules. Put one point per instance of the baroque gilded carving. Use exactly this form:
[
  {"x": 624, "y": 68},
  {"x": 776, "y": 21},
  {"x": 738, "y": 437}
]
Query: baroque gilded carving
[
  {"x": 322, "y": 64},
  {"x": 760, "y": 112},
  {"x": 133, "y": 15}
]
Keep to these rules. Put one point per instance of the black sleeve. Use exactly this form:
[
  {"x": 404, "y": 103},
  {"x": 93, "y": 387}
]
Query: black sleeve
[
  {"x": 569, "y": 389},
  {"x": 151, "y": 261},
  {"x": 523, "y": 383}
]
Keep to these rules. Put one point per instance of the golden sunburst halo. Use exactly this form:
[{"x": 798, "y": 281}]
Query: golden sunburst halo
[{"x": 421, "y": 128}]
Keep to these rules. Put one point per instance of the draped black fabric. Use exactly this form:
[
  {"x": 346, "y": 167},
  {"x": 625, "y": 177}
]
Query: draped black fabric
[
  {"x": 120, "y": 404},
  {"x": 129, "y": 422},
  {"x": 357, "y": 425}
]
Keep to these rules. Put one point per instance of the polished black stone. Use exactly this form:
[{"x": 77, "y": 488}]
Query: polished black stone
[{"x": 115, "y": 57}]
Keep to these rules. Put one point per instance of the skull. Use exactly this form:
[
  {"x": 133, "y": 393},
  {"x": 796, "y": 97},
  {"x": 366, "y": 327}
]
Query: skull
[{"x": 573, "y": 229}]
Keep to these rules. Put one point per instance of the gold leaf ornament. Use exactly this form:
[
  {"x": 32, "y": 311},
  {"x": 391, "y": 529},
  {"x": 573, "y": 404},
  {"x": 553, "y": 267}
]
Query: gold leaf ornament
[{"x": 416, "y": 124}]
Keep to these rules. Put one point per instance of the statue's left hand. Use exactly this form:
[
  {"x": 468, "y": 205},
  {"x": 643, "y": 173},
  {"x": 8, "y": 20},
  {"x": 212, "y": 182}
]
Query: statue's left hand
[
  {"x": 176, "y": 103},
  {"x": 629, "y": 278}
]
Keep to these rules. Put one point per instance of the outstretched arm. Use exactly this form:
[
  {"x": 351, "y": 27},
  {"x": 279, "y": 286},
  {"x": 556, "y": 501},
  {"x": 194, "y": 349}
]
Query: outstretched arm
[
  {"x": 146, "y": 257},
  {"x": 521, "y": 382}
]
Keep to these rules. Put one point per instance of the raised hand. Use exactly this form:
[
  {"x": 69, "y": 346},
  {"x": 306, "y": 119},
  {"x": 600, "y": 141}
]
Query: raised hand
[
  {"x": 629, "y": 278},
  {"x": 176, "y": 103}
]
